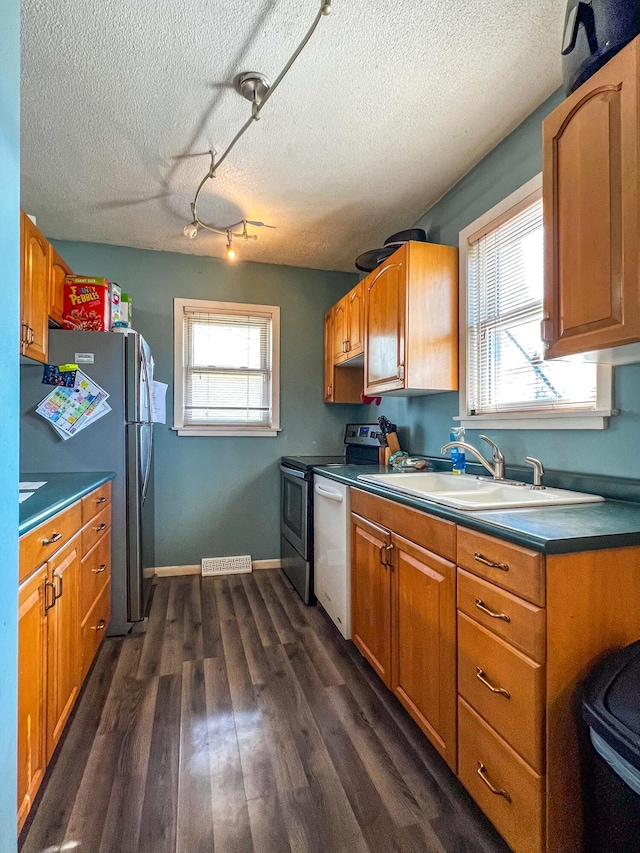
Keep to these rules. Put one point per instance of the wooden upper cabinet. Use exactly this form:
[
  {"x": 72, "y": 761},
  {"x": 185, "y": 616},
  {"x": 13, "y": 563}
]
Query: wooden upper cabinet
[
  {"x": 339, "y": 321},
  {"x": 32, "y": 638},
  {"x": 411, "y": 321},
  {"x": 591, "y": 146},
  {"x": 34, "y": 290},
  {"x": 59, "y": 271},
  {"x": 328, "y": 357},
  {"x": 355, "y": 320}
]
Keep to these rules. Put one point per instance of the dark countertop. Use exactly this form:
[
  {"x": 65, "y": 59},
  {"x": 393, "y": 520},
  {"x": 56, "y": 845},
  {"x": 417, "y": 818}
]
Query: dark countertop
[
  {"x": 552, "y": 530},
  {"x": 59, "y": 492}
]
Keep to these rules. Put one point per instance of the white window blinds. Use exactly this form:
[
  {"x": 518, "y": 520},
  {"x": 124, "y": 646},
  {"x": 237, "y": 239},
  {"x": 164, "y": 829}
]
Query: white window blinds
[
  {"x": 228, "y": 368},
  {"x": 505, "y": 367}
]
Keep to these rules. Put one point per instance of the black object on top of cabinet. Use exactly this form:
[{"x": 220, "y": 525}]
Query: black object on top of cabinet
[{"x": 593, "y": 33}]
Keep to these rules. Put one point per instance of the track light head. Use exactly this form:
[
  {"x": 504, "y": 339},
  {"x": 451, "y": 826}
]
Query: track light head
[{"x": 191, "y": 230}]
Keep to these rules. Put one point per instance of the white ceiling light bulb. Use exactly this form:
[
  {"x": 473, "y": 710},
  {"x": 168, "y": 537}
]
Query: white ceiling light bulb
[
  {"x": 230, "y": 252},
  {"x": 191, "y": 230}
]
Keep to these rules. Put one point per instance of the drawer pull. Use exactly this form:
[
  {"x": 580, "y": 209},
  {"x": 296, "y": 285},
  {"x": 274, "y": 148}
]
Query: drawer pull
[
  {"x": 481, "y": 676},
  {"x": 56, "y": 537},
  {"x": 504, "y": 567},
  {"x": 101, "y": 625},
  {"x": 482, "y": 606},
  {"x": 500, "y": 792},
  {"x": 99, "y": 571},
  {"x": 384, "y": 551},
  {"x": 103, "y": 526},
  {"x": 101, "y": 500}
]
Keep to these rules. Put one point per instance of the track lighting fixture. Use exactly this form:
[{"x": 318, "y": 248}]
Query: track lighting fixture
[{"x": 255, "y": 88}]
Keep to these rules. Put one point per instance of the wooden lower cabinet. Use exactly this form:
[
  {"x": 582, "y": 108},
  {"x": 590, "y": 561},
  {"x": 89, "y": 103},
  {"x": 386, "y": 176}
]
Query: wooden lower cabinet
[
  {"x": 64, "y": 607},
  {"x": 63, "y": 649},
  {"x": 32, "y": 679},
  {"x": 497, "y": 692},
  {"x": 424, "y": 642},
  {"x": 371, "y": 594},
  {"x": 404, "y": 620}
]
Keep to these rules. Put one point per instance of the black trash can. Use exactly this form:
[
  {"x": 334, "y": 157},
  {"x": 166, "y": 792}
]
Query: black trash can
[{"x": 611, "y": 708}]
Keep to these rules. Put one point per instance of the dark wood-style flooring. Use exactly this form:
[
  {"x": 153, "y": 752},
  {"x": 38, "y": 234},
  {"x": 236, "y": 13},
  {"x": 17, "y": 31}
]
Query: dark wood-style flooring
[{"x": 242, "y": 722}]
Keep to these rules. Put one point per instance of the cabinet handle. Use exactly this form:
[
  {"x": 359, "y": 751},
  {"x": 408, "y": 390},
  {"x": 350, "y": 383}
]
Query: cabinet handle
[
  {"x": 103, "y": 526},
  {"x": 32, "y": 336},
  {"x": 24, "y": 335},
  {"x": 504, "y": 567},
  {"x": 101, "y": 625},
  {"x": 56, "y": 537},
  {"x": 401, "y": 371},
  {"x": 57, "y": 593},
  {"x": 482, "y": 606},
  {"x": 384, "y": 551},
  {"x": 101, "y": 500},
  {"x": 99, "y": 571},
  {"x": 348, "y": 343},
  {"x": 482, "y": 678},
  {"x": 500, "y": 792},
  {"x": 328, "y": 390},
  {"x": 49, "y": 585}
]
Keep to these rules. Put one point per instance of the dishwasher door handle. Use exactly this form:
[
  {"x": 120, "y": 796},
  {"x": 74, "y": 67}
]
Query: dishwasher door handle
[{"x": 332, "y": 496}]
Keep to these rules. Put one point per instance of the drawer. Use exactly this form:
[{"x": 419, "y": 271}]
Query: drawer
[
  {"x": 95, "y": 501},
  {"x": 434, "y": 534},
  {"x": 41, "y": 543},
  {"x": 95, "y": 528},
  {"x": 94, "y": 628},
  {"x": 515, "y": 806},
  {"x": 515, "y": 620},
  {"x": 510, "y": 566},
  {"x": 504, "y": 687},
  {"x": 95, "y": 571}
]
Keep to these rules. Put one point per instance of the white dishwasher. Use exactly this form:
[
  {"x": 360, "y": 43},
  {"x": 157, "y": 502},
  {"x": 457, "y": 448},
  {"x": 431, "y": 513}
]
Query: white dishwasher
[{"x": 332, "y": 550}]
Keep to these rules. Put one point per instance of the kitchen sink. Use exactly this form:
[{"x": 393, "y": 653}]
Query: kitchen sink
[{"x": 470, "y": 493}]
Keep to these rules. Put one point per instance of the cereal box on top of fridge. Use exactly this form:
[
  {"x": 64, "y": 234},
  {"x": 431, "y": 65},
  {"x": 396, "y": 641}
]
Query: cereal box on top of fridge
[{"x": 87, "y": 305}]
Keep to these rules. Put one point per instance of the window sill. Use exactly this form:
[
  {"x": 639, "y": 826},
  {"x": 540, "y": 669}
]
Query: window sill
[
  {"x": 223, "y": 432},
  {"x": 539, "y": 420}
]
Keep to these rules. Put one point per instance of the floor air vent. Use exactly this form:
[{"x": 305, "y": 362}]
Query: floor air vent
[{"x": 215, "y": 566}]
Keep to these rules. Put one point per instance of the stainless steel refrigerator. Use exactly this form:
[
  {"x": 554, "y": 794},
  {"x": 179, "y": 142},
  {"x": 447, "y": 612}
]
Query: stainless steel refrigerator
[{"x": 121, "y": 441}]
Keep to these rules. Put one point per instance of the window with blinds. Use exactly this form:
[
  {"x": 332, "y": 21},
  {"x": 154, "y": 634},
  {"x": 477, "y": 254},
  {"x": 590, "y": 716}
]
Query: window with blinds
[
  {"x": 229, "y": 381},
  {"x": 506, "y": 371}
]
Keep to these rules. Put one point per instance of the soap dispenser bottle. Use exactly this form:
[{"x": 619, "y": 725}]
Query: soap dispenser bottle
[{"x": 458, "y": 459}]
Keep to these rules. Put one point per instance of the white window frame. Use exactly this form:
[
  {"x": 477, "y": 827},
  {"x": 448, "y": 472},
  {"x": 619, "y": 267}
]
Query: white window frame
[
  {"x": 204, "y": 305},
  {"x": 529, "y": 419}
]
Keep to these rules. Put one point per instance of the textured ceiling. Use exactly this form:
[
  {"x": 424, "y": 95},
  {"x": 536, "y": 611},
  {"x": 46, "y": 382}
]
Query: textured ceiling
[{"x": 387, "y": 107}]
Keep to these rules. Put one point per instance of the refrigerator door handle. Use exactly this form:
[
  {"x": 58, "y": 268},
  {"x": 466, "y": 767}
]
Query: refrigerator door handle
[{"x": 147, "y": 473}]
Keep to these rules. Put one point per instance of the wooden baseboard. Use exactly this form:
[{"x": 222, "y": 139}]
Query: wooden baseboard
[{"x": 181, "y": 571}]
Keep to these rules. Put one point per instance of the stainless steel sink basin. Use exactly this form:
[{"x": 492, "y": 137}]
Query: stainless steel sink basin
[{"x": 474, "y": 493}]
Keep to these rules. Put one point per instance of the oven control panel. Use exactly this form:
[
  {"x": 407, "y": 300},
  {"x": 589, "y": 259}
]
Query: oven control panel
[{"x": 366, "y": 434}]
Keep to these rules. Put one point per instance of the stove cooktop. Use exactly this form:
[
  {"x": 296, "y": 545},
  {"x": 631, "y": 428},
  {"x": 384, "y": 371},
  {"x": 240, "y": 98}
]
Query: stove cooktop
[{"x": 305, "y": 463}]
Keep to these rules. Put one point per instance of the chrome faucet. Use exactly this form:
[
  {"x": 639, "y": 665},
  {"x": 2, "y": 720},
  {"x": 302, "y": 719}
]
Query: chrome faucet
[
  {"x": 496, "y": 470},
  {"x": 538, "y": 472}
]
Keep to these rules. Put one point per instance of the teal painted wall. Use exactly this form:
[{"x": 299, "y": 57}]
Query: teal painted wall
[
  {"x": 220, "y": 496},
  {"x": 9, "y": 348},
  {"x": 427, "y": 419}
]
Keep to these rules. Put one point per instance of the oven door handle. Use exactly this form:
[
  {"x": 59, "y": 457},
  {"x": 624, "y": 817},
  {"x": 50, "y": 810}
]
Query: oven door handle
[
  {"x": 291, "y": 472},
  {"x": 332, "y": 496}
]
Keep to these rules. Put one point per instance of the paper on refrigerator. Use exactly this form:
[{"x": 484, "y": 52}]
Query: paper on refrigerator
[
  {"x": 159, "y": 402},
  {"x": 69, "y": 410}
]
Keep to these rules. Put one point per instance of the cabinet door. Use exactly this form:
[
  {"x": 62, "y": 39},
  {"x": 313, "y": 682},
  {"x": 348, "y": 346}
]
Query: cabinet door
[
  {"x": 32, "y": 640},
  {"x": 340, "y": 331},
  {"x": 59, "y": 271},
  {"x": 385, "y": 297},
  {"x": 328, "y": 357},
  {"x": 34, "y": 291},
  {"x": 355, "y": 320},
  {"x": 591, "y": 146},
  {"x": 424, "y": 642},
  {"x": 371, "y": 594},
  {"x": 63, "y": 641}
]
